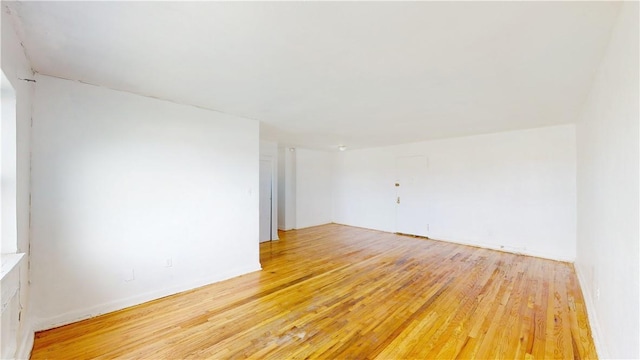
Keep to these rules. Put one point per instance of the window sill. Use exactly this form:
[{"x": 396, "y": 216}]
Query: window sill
[{"x": 8, "y": 262}]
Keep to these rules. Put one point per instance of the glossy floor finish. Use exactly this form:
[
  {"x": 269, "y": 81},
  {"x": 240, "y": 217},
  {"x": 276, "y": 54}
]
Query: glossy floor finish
[{"x": 338, "y": 292}]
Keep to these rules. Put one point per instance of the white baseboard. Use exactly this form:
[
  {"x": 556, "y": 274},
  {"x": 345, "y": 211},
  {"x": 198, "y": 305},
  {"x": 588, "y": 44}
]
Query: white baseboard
[
  {"x": 266, "y": 241},
  {"x": 598, "y": 341},
  {"x": 512, "y": 250},
  {"x": 484, "y": 246},
  {"x": 306, "y": 226},
  {"x": 100, "y": 309}
]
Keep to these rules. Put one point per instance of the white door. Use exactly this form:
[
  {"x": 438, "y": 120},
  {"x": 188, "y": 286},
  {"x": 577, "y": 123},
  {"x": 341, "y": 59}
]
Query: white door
[
  {"x": 266, "y": 196},
  {"x": 411, "y": 205}
]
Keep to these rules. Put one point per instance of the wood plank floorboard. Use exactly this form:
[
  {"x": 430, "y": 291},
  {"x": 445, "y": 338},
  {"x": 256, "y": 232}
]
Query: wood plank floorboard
[{"x": 339, "y": 292}]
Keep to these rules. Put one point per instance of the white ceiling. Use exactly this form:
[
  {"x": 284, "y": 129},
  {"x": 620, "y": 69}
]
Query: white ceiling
[{"x": 321, "y": 74}]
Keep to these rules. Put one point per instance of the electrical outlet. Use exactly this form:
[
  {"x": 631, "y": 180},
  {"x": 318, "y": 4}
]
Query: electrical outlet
[
  {"x": 168, "y": 262},
  {"x": 597, "y": 294},
  {"x": 427, "y": 227}
]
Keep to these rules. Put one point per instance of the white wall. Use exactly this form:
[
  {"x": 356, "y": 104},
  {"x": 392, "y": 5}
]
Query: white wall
[
  {"x": 269, "y": 151},
  {"x": 124, "y": 186},
  {"x": 607, "y": 246},
  {"x": 8, "y": 163},
  {"x": 286, "y": 189},
  {"x": 514, "y": 190},
  {"x": 10, "y": 300},
  {"x": 15, "y": 66},
  {"x": 313, "y": 194}
]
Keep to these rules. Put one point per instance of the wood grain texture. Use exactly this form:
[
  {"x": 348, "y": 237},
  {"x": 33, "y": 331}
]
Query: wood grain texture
[{"x": 338, "y": 292}]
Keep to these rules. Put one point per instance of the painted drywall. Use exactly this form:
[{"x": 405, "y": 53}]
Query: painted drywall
[
  {"x": 282, "y": 207},
  {"x": 313, "y": 195},
  {"x": 513, "y": 191},
  {"x": 8, "y": 163},
  {"x": 286, "y": 188},
  {"x": 135, "y": 198},
  {"x": 329, "y": 72},
  {"x": 607, "y": 243},
  {"x": 16, "y": 66},
  {"x": 269, "y": 151}
]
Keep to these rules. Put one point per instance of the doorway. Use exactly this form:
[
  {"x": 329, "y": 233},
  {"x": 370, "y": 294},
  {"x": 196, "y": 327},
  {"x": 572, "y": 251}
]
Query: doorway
[
  {"x": 411, "y": 202},
  {"x": 266, "y": 200}
]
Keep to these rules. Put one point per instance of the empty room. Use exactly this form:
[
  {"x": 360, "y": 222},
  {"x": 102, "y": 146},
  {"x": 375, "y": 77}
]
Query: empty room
[{"x": 323, "y": 180}]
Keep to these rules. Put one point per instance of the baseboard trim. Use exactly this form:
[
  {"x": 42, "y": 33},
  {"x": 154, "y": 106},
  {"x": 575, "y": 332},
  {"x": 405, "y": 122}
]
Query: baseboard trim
[
  {"x": 596, "y": 333},
  {"x": 511, "y": 251},
  {"x": 310, "y": 226},
  {"x": 505, "y": 249},
  {"x": 101, "y": 309}
]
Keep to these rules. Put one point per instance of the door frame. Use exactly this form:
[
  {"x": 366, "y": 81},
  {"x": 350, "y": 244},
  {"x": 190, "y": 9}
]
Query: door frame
[
  {"x": 399, "y": 194},
  {"x": 274, "y": 197}
]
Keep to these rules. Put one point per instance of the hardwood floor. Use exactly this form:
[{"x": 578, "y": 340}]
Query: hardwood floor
[{"x": 338, "y": 292}]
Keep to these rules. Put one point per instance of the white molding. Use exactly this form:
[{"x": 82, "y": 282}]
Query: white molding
[
  {"x": 509, "y": 250},
  {"x": 541, "y": 255},
  {"x": 596, "y": 333},
  {"x": 9, "y": 262},
  {"x": 83, "y": 314},
  {"x": 316, "y": 225}
]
